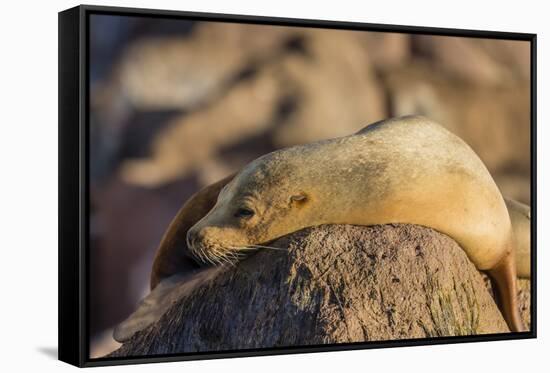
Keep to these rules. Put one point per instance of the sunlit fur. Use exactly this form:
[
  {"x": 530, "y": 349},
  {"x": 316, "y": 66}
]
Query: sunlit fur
[{"x": 404, "y": 170}]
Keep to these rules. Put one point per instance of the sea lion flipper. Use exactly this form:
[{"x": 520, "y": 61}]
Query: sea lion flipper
[
  {"x": 170, "y": 257},
  {"x": 160, "y": 299},
  {"x": 149, "y": 309},
  {"x": 520, "y": 216},
  {"x": 503, "y": 278}
]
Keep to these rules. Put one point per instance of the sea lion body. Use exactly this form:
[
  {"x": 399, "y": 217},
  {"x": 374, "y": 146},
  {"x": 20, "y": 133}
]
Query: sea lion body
[
  {"x": 403, "y": 170},
  {"x": 406, "y": 170},
  {"x": 520, "y": 215}
]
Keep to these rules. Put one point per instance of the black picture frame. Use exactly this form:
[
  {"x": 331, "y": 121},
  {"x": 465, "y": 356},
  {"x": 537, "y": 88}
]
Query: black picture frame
[{"x": 74, "y": 175}]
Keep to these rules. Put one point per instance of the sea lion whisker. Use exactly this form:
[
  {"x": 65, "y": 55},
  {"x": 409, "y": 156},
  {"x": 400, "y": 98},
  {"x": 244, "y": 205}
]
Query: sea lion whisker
[
  {"x": 238, "y": 254},
  {"x": 242, "y": 248},
  {"x": 213, "y": 258},
  {"x": 230, "y": 258},
  {"x": 224, "y": 257},
  {"x": 268, "y": 247},
  {"x": 217, "y": 256},
  {"x": 200, "y": 254},
  {"x": 219, "y": 261},
  {"x": 256, "y": 247},
  {"x": 235, "y": 254},
  {"x": 206, "y": 258},
  {"x": 227, "y": 262}
]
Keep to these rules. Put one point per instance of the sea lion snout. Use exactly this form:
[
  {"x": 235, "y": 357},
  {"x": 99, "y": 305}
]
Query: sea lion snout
[
  {"x": 199, "y": 238},
  {"x": 214, "y": 245},
  {"x": 192, "y": 237}
]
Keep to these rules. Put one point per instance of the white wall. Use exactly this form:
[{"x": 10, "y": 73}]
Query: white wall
[{"x": 28, "y": 179}]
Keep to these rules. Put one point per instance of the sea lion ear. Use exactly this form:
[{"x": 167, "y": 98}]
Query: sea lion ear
[{"x": 299, "y": 198}]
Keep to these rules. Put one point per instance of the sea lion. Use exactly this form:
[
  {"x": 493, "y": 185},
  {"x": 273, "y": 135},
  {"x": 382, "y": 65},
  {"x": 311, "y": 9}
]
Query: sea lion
[
  {"x": 402, "y": 170},
  {"x": 173, "y": 256}
]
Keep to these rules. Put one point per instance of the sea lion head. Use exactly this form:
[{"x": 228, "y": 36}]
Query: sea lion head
[{"x": 260, "y": 204}]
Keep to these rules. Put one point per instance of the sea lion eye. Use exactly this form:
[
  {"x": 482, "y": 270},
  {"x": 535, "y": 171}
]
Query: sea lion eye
[
  {"x": 299, "y": 198},
  {"x": 244, "y": 212}
]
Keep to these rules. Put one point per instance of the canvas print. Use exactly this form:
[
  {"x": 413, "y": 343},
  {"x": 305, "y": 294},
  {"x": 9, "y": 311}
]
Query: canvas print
[{"x": 256, "y": 186}]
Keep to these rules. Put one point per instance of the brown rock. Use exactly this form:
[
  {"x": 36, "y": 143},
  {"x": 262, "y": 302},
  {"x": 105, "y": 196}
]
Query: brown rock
[
  {"x": 336, "y": 284},
  {"x": 524, "y": 297}
]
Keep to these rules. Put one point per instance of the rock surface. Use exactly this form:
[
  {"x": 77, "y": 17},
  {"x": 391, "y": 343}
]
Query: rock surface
[{"x": 336, "y": 284}]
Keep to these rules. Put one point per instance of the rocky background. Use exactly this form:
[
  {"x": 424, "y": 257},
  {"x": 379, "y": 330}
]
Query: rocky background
[{"x": 176, "y": 105}]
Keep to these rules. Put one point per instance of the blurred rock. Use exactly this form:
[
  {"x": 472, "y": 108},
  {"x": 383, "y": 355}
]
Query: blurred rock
[
  {"x": 126, "y": 225},
  {"x": 387, "y": 50},
  {"x": 325, "y": 89},
  {"x": 190, "y": 141},
  {"x": 478, "y": 61},
  {"x": 310, "y": 84},
  {"x": 159, "y": 73},
  {"x": 176, "y": 73},
  {"x": 512, "y": 54},
  {"x": 514, "y": 185},
  {"x": 337, "y": 92}
]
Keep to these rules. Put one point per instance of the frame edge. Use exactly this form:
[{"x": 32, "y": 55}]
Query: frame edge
[
  {"x": 72, "y": 133},
  {"x": 69, "y": 72}
]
